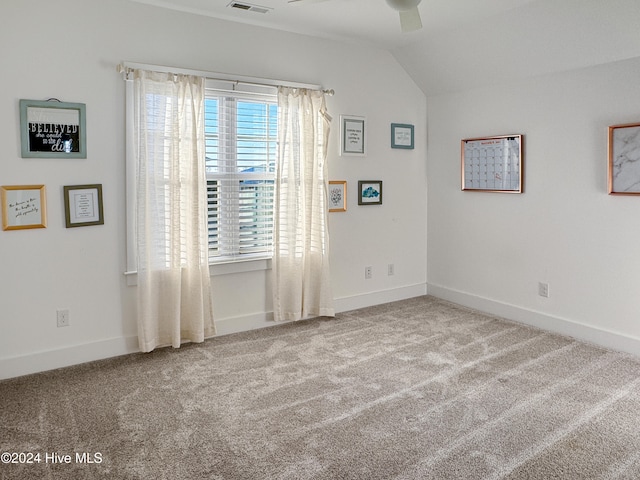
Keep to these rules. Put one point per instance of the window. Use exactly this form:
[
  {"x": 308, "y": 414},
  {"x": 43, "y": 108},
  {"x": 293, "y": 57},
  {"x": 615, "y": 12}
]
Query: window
[
  {"x": 241, "y": 138},
  {"x": 240, "y": 127}
]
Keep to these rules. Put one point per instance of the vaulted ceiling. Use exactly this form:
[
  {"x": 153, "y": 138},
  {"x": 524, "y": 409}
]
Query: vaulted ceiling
[{"x": 463, "y": 43}]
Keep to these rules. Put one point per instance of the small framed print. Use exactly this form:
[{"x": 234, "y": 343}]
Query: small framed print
[
  {"x": 352, "y": 135},
  {"x": 23, "y": 206},
  {"x": 52, "y": 129},
  {"x": 337, "y": 196},
  {"x": 83, "y": 205},
  {"x": 624, "y": 159},
  {"x": 401, "y": 135},
  {"x": 370, "y": 192}
]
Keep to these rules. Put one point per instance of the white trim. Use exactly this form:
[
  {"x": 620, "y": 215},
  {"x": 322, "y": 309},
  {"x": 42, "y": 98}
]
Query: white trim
[
  {"x": 76, "y": 354},
  {"x": 354, "y": 302},
  {"x": 227, "y": 326},
  {"x": 67, "y": 356},
  {"x": 220, "y": 268},
  {"x": 239, "y": 266},
  {"x": 587, "y": 333},
  {"x": 130, "y": 182}
]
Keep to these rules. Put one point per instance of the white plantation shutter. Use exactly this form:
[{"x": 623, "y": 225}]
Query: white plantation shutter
[{"x": 241, "y": 147}]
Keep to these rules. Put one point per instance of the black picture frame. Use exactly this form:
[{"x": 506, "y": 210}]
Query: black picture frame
[{"x": 370, "y": 192}]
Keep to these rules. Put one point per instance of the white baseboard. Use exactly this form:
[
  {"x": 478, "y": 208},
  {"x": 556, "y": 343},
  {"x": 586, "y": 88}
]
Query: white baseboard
[
  {"x": 354, "y": 302},
  {"x": 65, "y": 357},
  {"x": 551, "y": 323},
  {"x": 344, "y": 304},
  {"x": 74, "y": 355}
]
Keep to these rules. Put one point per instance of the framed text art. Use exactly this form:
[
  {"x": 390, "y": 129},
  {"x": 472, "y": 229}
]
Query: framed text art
[
  {"x": 401, "y": 135},
  {"x": 337, "y": 196},
  {"x": 352, "y": 135},
  {"x": 53, "y": 129},
  {"x": 370, "y": 192},
  {"x": 492, "y": 164},
  {"x": 83, "y": 205},
  {"x": 23, "y": 206},
  {"x": 624, "y": 159}
]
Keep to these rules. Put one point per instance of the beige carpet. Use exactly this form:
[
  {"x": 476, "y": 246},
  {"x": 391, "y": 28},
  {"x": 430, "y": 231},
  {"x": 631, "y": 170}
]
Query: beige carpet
[{"x": 418, "y": 389}]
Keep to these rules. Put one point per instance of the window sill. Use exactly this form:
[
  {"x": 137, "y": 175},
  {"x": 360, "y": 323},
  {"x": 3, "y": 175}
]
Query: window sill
[
  {"x": 227, "y": 268},
  {"x": 222, "y": 268}
]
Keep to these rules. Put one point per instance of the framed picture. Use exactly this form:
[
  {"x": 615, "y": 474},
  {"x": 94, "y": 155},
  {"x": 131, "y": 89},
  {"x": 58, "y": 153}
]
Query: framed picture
[
  {"x": 53, "y": 129},
  {"x": 337, "y": 196},
  {"x": 83, "y": 205},
  {"x": 401, "y": 135},
  {"x": 370, "y": 192},
  {"x": 23, "y": 206},
  {"x": 624, "y": 159},
  {"x": 352, "y": 135},
  {"x": 492, "y": 164}
]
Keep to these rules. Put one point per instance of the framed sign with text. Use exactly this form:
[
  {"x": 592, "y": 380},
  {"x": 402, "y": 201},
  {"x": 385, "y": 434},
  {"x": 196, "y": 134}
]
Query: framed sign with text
[
  {"x": 53, "y": 129},
  {"x": 23, "y": 206},
  {"x": 83, "y": 205},
  {"x": 352, "y": 135},
  {"x": 401, "y": 135}
]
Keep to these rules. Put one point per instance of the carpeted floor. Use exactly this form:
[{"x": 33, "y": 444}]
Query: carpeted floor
[{"x": 417, "y": 389}]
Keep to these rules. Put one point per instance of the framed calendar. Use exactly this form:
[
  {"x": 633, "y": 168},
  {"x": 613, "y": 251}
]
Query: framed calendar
[{"x": 492, "y": 164}]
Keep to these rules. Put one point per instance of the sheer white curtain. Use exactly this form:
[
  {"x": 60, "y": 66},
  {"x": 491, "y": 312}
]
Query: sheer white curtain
[
  {"x": 301, "y": 276},
  {"x": 174, "y": 296}
]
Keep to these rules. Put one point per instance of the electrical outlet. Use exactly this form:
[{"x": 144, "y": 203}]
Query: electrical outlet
[
  {"x": 543, "y": 289},
  {"x": 368, "y": 272},
  {"x": 63, "y": 318},
  {"x": 390, "y": 269}
]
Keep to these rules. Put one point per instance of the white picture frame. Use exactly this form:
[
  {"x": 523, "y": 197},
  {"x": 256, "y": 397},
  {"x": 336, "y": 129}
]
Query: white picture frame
[{"x": 353, "y": 137}]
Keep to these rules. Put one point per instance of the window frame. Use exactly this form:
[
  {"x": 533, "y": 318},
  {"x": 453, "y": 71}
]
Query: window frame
[
  {"x": 229, "y": 97},
  {"x": 232, "y": 83}
]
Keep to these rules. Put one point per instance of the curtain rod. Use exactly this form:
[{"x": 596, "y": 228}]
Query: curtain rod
[{"x": 126, "y": 67}]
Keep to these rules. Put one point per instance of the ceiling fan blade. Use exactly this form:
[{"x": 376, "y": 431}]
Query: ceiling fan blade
[{"x": 410, "y": 20}]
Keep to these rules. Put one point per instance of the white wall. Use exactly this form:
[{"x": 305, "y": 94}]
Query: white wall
[
  {"x": 490, "y": 250},
  {"x": 69, "y": 49}
]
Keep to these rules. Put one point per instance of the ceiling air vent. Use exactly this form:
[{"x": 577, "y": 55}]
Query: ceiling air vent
[{"x": 248, "y": 7}]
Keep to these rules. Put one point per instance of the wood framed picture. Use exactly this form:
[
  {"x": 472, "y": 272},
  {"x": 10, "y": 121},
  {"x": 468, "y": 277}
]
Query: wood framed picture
[
  {"x": 370, "y": 192},
  {"x": 23, "y": 206},
  {"x": 492, "y": 164},
  {"x": 624, "y": 159},
  {"x": 402, "y": 135},
  {"x": 353, "y": 135},
  {"x": 83, "y": 205},
  {"x": 337, "y": 196},
  {"x": 52, "y": 129}
]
